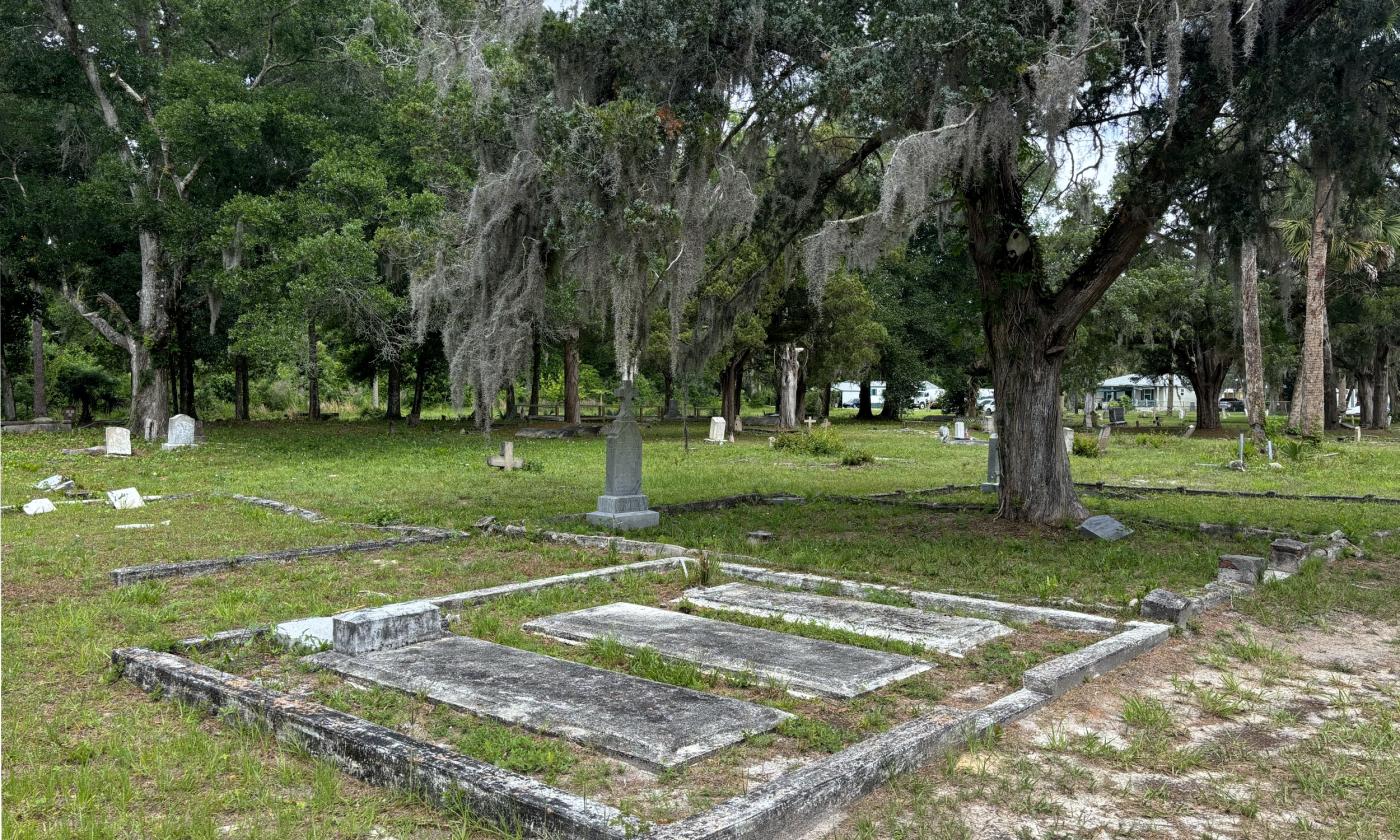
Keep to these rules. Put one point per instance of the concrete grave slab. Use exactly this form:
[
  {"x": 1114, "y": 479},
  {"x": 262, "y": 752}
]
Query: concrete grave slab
[
  {"x": 805, "y": 665},
  {"x": 651, "y": 724},
  {"x": 954, "y": 635}
]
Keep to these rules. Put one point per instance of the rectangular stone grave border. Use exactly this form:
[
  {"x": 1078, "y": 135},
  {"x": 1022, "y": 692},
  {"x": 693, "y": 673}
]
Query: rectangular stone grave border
[
  {"x": 281, "y": 507},
  {"x": 785, "y": 806},
  {"x": 1102, "y": 488}
]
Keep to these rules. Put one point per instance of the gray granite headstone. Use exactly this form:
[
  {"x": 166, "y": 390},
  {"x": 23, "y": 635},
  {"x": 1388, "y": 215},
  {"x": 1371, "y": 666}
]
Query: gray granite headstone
[
  {"x": 180, "y": 432},
  {"x": 1104, "y": 527},
  {"x": 623, "y": 506},
  {"x": 118, "y": 440},
  {"x": 993, "y": 466}
]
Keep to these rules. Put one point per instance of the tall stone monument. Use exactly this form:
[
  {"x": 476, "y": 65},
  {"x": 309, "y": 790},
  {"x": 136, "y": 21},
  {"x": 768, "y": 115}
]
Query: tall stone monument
[{"x": 623, "y": 506}]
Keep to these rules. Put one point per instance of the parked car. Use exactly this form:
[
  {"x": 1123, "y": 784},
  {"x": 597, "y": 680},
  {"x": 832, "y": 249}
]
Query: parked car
[{"x": 1231, "y": 404}]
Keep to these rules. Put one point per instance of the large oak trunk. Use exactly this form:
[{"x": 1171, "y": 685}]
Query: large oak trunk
[
  {"x": 1256, "y": 402},
  {"x": 240, "y": 387},
  {"x": 571, "y": 362},
  {"x": 789, "y": 361},
  {"x": 36, "y": 349},
  {"x": 866, "y": 410},
  {"x": 730, "y": 385},
  {"x": 150, "y": 394},
  {"x": 1380, "y": 387},
  {"x": 7, "y": 392}
]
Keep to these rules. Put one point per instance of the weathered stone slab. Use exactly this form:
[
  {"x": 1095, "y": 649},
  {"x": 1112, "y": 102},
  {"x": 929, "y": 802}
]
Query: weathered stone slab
[
  {"x": 1240, "y": 568},
  {"x": 379, "y": 755},
  {"x": 954, "y": 635},
  {"x": 1065, "y": 672},
  {"x": 654, "y": 725},
  {"x": 807, "y": 665},
  {"x": 1287, "y": 555},
  {"x": 1166, "y": 605},
  {"x": 386, "y": 627},
  {"x": 1105, "y": 528},
  {"x": 127, "y": 498}
]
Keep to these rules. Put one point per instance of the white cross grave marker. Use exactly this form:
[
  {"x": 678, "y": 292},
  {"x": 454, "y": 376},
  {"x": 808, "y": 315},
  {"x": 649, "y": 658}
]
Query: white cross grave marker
[{"x": 506, "y": 460}]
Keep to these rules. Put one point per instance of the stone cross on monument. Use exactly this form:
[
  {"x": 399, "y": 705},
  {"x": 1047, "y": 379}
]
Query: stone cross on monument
[{"x": 623, "y": 506}]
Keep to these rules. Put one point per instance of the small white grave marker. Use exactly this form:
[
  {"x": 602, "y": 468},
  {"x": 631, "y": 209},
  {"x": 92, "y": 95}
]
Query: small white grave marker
[
  {"x": 127, "y": 498},
  {"x": 1069, "y": 440},
  {"x": 960, "y": 430},
  {"x": 53, "y": 482},
  {"x": 38, "y": 506},
  {"x": 810, "y": 421},
  {"x": 118, "y": 440},
  {"x": 716, "y": 431},
  {"x": 506, "y": 460}
]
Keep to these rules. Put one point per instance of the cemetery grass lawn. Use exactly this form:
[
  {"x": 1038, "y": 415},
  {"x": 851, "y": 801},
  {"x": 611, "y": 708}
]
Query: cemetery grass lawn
[{"x": 85, "y": 756}]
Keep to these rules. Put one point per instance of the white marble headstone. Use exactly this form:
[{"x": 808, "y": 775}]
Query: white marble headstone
[
  {"x": 127, "y": 498},
  {"x": 180, "y": 432},
  {"x": 716, "y": 430},
  {"x": 118, "y": 440},
  {"x": 960, "y": 430}
]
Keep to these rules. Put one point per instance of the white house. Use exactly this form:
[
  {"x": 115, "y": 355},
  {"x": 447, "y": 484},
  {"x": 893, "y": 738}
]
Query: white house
[
  {"x": 1147, "y": 392},
  {"x": 848, "y": 394}
]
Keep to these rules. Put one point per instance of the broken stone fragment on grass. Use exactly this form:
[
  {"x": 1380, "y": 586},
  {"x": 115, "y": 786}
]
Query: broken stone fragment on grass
[
  {"x": 1275, "y": 575},
  {"x": 51, "y": 483},
  {"x": 1287, "y": 555},
  {"x": 1240, "y": 568},
  {"x": 127, "y": 498},
  {"x": 1104, "y": 527},
  {"x": 1166, "y": 605},
  {"x": 38, "y": 506}
]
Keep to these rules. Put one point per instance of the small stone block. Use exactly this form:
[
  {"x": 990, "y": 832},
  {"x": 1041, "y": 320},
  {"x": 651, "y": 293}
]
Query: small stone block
[
  {"x": 759, "y": 537},
  {"x": 1065, "y": 672},
  {"x": 127, "y": 498},
  {"x": 1287, "y": 555},
  {"x": 1246, "y": 567},
  {"x": 1166, "y": 605},
  {"x": 1275, "y": 575},
  {"x": 627, "y": 521},
  {"x": 383, "y": 628},
  {"x": 1105, "y": 528},
  {"x": 317, "y": 632}
]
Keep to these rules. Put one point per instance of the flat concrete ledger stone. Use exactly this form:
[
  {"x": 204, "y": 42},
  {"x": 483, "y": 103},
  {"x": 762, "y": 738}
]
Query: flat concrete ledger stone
[
  {"x": 802, "y": 664},
  {"x": 379, "y": 755},
  {"x": 953, "y": 635},
  {"x": 654, "y": 725},
  {"x": 383, "y": 628},
  {"x": 935, "y": 601},
  {"x": 118, "y": 440},
  {"x": 1105, "y": 528},
  {"x": 1065, "y": 672},
  {"x": 316, "y": 633}
]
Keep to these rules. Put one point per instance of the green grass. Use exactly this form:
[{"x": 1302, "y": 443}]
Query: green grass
[{"x": 86, "y": 756}]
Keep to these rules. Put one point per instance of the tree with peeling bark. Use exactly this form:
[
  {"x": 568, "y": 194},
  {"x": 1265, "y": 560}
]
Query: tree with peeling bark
[{"x": 964, "y": 117}]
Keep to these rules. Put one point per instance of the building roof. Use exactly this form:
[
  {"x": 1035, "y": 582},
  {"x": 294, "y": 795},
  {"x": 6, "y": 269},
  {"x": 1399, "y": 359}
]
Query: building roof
[{"x": 1132, "y": 380}]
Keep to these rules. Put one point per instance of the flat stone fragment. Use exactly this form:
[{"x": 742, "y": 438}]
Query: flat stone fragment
[
  {"x": 315, "y": 633},
  {"x": 1166, "y": 605},
  {"x": 127, "y": 498},
  {"x": 34, "y": 507},
  {"x": 811, "y": 665},
  {"x": 954, "y": 635},
  {"x": 654, "y": 725},
  {"x": 1065, "y": 672},
  {"x": 1105, "y": 528}
]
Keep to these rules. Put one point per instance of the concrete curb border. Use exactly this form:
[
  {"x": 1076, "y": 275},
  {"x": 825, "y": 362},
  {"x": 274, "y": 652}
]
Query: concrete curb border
[{"x": 379, "y": 755}]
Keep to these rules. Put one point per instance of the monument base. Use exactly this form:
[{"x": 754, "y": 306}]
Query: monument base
[
  {"x": 990, "y": 487},
  {"x": 623, "y": 513},
  {"x": 168, "y": 447},
  {"x": 628, "y": 521}
]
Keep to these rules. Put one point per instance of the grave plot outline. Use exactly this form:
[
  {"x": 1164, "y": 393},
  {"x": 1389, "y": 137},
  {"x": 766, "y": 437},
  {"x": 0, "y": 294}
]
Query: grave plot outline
[{"x": 795, "y": 802}]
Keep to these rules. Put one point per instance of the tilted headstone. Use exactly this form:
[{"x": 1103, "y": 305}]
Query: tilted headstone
[
  {"x": 180, "y": 432},
  {"x": 1104, "y": 527},
  {"x": 1190, "y": 430},
  {"x": 127, "y": 498},
  {"x": 506, "y": 460},
  {"x": 716, "y": 430},
  {"x": 1104, "y": 434},
  {"x": 50, "y": 483},
  {"x": 623, "y": 505},
  {"x": 118, "y": 440}
]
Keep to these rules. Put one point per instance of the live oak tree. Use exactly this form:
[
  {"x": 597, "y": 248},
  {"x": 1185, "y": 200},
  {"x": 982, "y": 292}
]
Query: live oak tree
[{"x": 968, "y": 90}]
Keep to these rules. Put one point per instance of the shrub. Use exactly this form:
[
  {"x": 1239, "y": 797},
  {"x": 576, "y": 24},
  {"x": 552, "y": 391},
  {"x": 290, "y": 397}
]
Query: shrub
[
  {"x": 818, "y": 441},
  {"x": 1086, "y": 447},
  {"x": 856, "y": 457}
]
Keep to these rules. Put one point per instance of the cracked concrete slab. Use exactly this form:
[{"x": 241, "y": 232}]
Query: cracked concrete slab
[
  {"x": 953, "y": 635},
  {"x": 802, "y": 664},
  {"x": 654, "y": 725}
]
